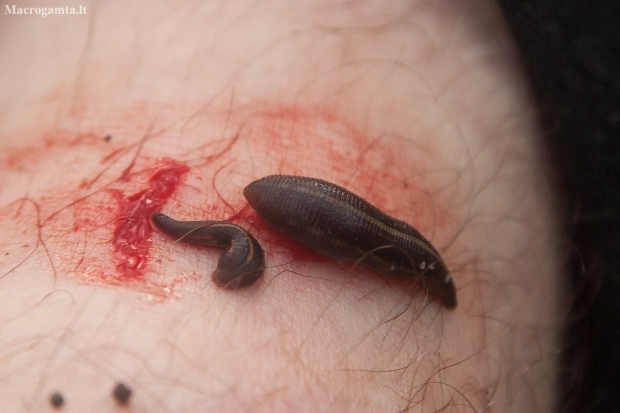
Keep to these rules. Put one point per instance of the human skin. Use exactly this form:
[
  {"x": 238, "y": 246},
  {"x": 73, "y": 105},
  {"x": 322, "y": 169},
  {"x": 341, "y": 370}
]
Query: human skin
[{"x": 419, "y": 107}]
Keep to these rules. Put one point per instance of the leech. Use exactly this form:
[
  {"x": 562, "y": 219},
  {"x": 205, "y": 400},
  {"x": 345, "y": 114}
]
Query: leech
[
  {"x": 243, "y": 261},
  {"x": 340, "y": 225}
]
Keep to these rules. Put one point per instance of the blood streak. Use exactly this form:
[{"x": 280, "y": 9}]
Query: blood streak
[{"x": 132, "y": 228}]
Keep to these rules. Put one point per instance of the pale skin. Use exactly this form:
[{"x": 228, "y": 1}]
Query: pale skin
[{"x": 420, "y": 107}]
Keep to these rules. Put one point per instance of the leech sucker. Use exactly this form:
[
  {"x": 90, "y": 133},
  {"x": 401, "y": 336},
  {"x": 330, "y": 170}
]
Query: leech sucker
[
  {"x": 243, "y": 261},
  {"x": 342, "y": 226}
]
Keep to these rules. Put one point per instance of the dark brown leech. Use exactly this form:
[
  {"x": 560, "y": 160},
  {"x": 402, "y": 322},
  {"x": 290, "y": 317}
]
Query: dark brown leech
[
  {"x": 342, "y": 226},
  {"x": 243, "y": 261}
]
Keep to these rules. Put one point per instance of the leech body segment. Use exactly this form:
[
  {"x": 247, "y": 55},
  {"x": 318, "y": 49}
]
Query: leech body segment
[
  {"x": 340, "y": 225},
  {"x": 243, "y": 261}
]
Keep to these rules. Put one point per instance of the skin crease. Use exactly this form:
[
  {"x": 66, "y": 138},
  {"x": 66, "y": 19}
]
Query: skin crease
[{"x": 443, "y": 75}]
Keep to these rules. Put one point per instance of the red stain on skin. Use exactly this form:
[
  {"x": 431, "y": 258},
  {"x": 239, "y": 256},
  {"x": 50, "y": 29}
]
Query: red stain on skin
[
  {"x": 132, "y": 224},
  {"x": 83, "y": 202}
]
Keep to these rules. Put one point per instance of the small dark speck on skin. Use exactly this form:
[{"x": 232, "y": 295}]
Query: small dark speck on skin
[
  {"x": 121, "y": 393},
  {"x": 107, "y": 138},
  {"x": 56, "y": 400}
]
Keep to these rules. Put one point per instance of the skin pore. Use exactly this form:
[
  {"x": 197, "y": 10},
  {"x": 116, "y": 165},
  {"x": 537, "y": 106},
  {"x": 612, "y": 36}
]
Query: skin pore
[{"x": 419, "y": 107}]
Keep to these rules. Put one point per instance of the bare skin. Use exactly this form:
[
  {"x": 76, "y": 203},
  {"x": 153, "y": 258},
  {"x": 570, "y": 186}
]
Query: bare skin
[{"x": 418, "y": 107}]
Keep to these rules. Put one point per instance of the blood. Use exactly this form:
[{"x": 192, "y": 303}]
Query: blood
[
  {"x": 86, "y": 199},
  {"x": 132, "y": 226}
]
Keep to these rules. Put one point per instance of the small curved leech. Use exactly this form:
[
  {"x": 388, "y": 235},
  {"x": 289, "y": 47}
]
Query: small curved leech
[
  {"x": 340, "y": 225},
  {"x": 243, "y": 262}
]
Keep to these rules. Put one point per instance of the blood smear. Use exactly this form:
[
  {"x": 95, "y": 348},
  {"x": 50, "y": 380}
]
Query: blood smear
[{"x": 132, "y": 226}]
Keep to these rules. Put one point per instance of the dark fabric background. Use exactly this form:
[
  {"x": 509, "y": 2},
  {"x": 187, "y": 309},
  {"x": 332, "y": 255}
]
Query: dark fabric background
[{"x": 571, "y": 51}]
